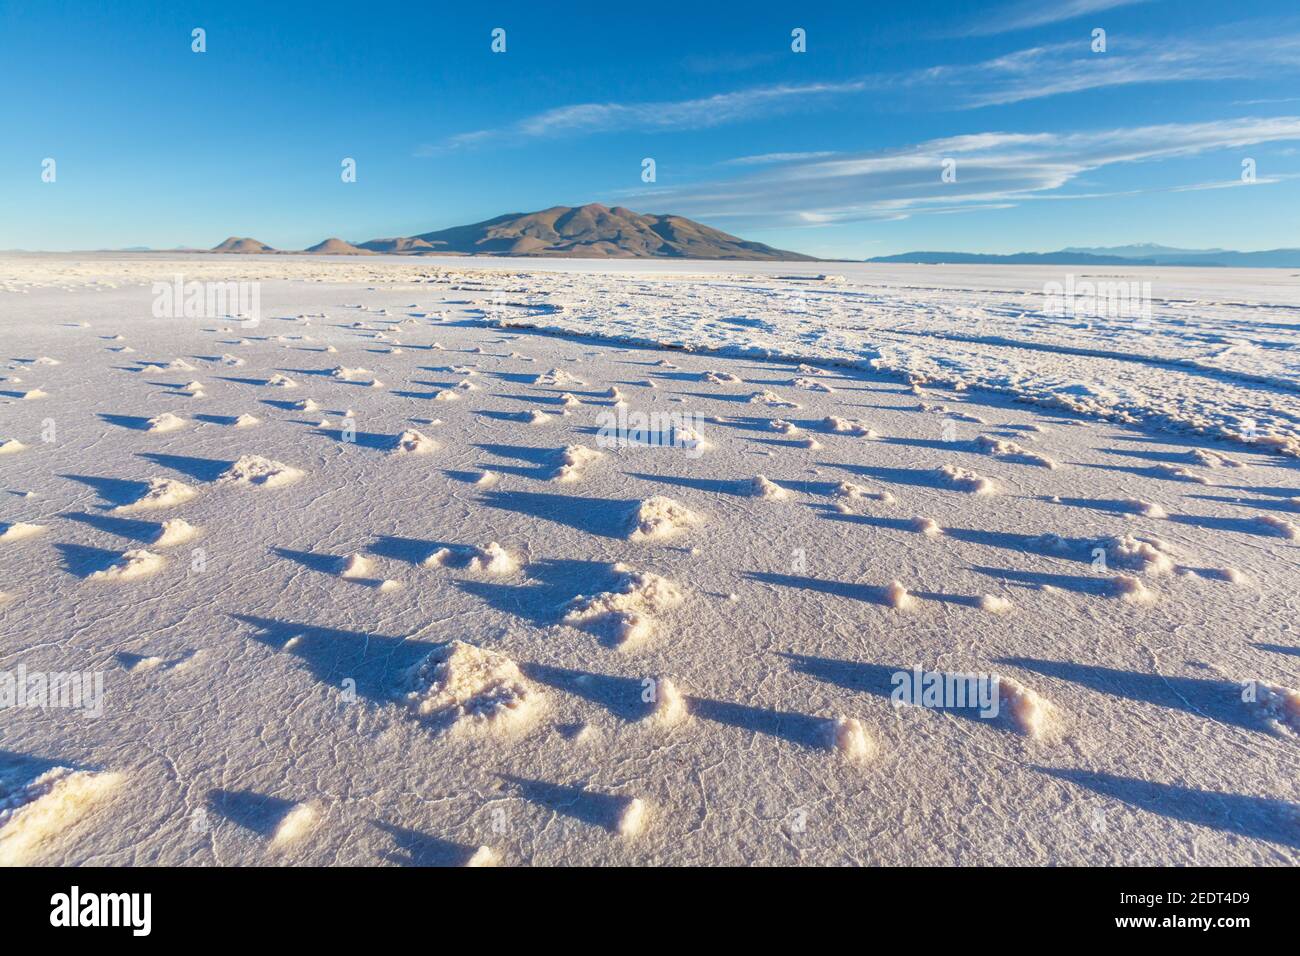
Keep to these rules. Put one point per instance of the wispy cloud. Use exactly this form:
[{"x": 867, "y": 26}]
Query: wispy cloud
[
  {"x": 1026, "y": 74},
  {"x": 1036, "y": 13},
  {"x": 993, "y": 170}
]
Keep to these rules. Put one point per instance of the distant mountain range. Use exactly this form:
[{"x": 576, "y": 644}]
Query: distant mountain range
[
  {"x": 592, "y": 231},
  {"x": 1141, "y": 254}
]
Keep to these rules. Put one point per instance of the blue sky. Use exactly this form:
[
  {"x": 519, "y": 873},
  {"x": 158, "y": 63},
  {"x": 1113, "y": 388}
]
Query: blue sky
[{"x": 837, "y": 151}]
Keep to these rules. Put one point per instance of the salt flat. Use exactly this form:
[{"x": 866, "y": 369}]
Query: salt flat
[{"x": 358, "y": 594}]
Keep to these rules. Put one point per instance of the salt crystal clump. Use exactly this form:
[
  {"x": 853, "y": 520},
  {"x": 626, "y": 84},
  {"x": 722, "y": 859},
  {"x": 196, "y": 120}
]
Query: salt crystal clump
[
  {"x": 659, "y": 517},
  {"x": 174, "y": 531},
  {"x": 771, "y": 400},
  {"x": 811, "y": 384},
  {"x": 784, "y": 427},
  {"x": 492, "y": 559},
  {"x": 256, "y": 470},
  {"x": 354, "y": 566},
  {"x": 1028, "y": 712},
  {"x": 1278, "y": 706},
  {"x": 1148, "y": 509},
  {"x": 1147, "y": 555},
  {"x": 536, "y": 416},
  {"x": 719, "y": 378},
  {"x": 571, "y": 460},
  {"x": 995, "y": 604},
  {"x": 897, "y": 596},
  {"x": 558, "y": 377},
  {"x": 412, "y": 442},
  {"x": 166, "y": 422},
  {"x": 926, "y": 526},
  {"x": 1210, "y": 459},
  {"x": 134, "y": 564},
  {"x": 963, "y": 480},
  {"x": 624, "y": 612},
  {"x": 281, "y": 381},
  {"x": 849, "y": 737},
  {"x": 486, "y": 478},
  {"x": 19, "y": 531},
  {"x": 669, "y": 706},
  {"x": 464, "y": 687},
  {"x": 9, "y": 446},
  {"x": 306, "y": 405},
  {"x": 854, "y": 492},
  {"x": 1179, "y": 473},
  {"x": 231, "y": 361},
  {"x": 294, "y": 825},
  {"x": 1130, "y": 589},
  {"x": 1002, "y": 448},
  {"x": 1280, "y": 527},
  {"x": 847, "y": 426},
  {"x": 761, "y": 487},
  {"x": 34, "y": 812},
  {"x": 631, "y": 821},
  {"x": 31, "y": 394},
  {"x": 245, "y": 421},
  {"x": 159, "y": 493}
]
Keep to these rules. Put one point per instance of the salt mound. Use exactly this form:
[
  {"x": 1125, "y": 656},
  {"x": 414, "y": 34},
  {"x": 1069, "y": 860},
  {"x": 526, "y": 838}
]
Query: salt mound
[
  {"x": 964, "y": 480},
  {"x": 1279, "y": 707},
  {"x": 10, "y": 445},
  {"x": 466, "y": 687},
  {"x": 669, "y": 706},
  {"x": 19, "y": 531},
  {"x": 897, "y": 596},
  {"x": 483, "y": 856},
  {"x": 631, "y": 821},
  {"x": 811, "y": 384},
  {"x": 1147, "y": 555},
  {"x": 256, "y": 470},
  {"x": 306, "y": 405},
  {"x": 1147, "y": 509},
  {"x": 174, "y": 531},
  {"x": 32, "y": 394},
  {"x": 281, "y": 381},
  {"x": 926, "y": 526},
  {"x": 492, "y": 559},
  {"x": 995, "y": 604},
  {"x": 557, "y": 377},
  {"x": 45, "y": 360},
  {"x": 245, "y": 421},
  {"x": 847, "y": 426},
  {"x": 42, "y": 808},
  {"x": 659, "y": 517},
  {"x": 1002, "y": 448},
  {"x": 1179, "y": 473},
  {"x": 160, "y": 493},
  {"x": 1131, "y": 589},
  {"x": 849, "y": 737},
  {"x": 784, "y": 427},
  {"x": 536, "y": 416},
  {"x": 1029, "y": 713},
  {"x": 1210, "y": 459},
  {"x": 719, "y": 378},
  {"x": 354, "y": 566},
  {"x": 1280, "y": 527},
  {"x": 855, "y": 492},
  {"x": 231, "y": 361},
  {"x": 761, "y": 487},
  {"x": 166, "y": 422},
  {"x": 134, "y": 564},
  {"x": 411, "y": 442},
  {"x": 486, "y": 477},
  {"x": 771, "y": 400},
  {"x": 446, "y": 395},
  {"x": 571, "y": 460},
  {"x": 294, "y": 825},
  {"x": 624, "y": 612}
]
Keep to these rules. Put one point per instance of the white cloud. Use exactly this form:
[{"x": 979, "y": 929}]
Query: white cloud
[
  {"x": 1027, "y": 74},
  {"x": 1036, "y": 13},
  {"x": 994, "y": 170}
]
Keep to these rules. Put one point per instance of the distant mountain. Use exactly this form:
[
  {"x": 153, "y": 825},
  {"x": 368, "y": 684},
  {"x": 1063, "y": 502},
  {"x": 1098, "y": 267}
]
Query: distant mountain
[
  {"x": 398, "y": 246},
  {"x": 237, "y": 244},
  {"x": 595, "y": 231},
  {"x": 1142, "y": 254},
  {"x": 1017, "y": 258},
  {"x": 336, "y": 247}
]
